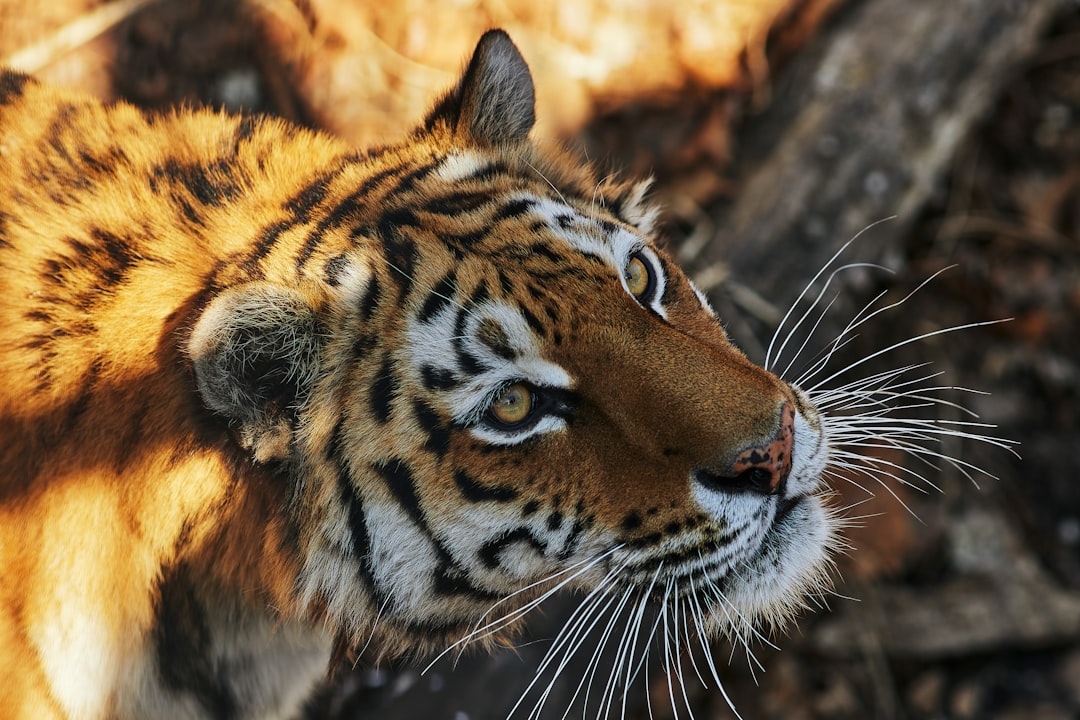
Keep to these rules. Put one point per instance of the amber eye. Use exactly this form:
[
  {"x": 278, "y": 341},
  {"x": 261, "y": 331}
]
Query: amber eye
[
  {"x": 639, "y": 277},
  {"x": 514, "y": 405}
]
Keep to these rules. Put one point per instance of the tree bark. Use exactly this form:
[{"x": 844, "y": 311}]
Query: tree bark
[{"x": 861, "y": 128}]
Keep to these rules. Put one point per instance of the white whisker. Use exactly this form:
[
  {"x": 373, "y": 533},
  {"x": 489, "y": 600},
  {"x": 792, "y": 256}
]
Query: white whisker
[
  {"x": 568, "y": 639},
  {"x": 902, "y": 343},
  {"x": 783, "y": 321},
  {"x": 479, "y": 632}
]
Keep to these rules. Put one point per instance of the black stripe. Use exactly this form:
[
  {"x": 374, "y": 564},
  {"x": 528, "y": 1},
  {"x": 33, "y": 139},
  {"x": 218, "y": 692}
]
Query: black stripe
[
  {"x": 303, "y": 202},
  {"x": 480, "y": 294},
  {"x": 506, "y": 284},
  {"x": 363, "y": 345},
  {"x": 544, "y": 250},
  {"x": 490, "y": 171},
  {"x": 399, "y": 479},
  {"x": 346, "y": 210},
  {"x": 392, "y": 220},
  {"x": 458, "y": 202},
  {"x": 244, "y": 130},
  {"x": 473, "y": 491},
  {"x": 573, "y": 539},
  {"x": 439, "y": 297},
  {"x": 12, "y": 86},
  {"x": 361, "y": 538},
  {"x": 669, "y": 287},
  {"x": 334, "y": 269},
  {"x": 451, "y": 580},
  {"x": 409, "y": 179},
  {"x": 467, "y": 362},
  {"x": 464, "y": 242},
  {"x": 554, "y": 520},
  {"x": 187, "y": 209},
  {"x": 533, "y": 322},
  {"x": 120, "y": 256},
  {"x": 448, "y": 577},
  {"x": 608, "y": 227},
  {"x": 268, "y": 237},
  {"x": 438, "y": 434},
  {"x": 212, "y": 184},
  {"x": 184, "y": 647},
  {"x": 488, "y": 554},
  {"x": 437, "y": 378},
  {"x": 513, "y": 209},
  {"x": 371, "y": 298},
  {"x": 300, "y": 207},
  {"x": 58, "y": 127},
  {"x": 400, "y": 250},
  {"x": 674, "y": 559},
  {"x": 383, "y": 391}
]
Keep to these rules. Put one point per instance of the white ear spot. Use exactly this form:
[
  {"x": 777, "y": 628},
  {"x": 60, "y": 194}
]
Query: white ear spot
[
  {"x": 347, "y": 280},
  {"x": 461, "y": 165}
]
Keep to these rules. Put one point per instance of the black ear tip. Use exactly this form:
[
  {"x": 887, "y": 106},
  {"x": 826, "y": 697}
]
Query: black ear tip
[
  {"x": 496, "y": 35},
  {"x": 495, "y": 48}
]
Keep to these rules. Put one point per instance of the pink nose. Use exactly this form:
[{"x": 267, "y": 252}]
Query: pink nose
[
  {"x": 765, "y": 468},
  {"x": 759, "y": 469}
]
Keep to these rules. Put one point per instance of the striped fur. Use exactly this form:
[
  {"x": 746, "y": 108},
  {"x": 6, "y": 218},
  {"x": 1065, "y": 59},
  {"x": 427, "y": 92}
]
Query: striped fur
[{"x": 246, "y": 379}]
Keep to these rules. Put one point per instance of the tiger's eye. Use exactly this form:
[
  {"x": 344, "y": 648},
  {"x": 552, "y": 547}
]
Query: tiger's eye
[
  {"x": 514, "y": 405},
  {"x": 637, "y": 276}
]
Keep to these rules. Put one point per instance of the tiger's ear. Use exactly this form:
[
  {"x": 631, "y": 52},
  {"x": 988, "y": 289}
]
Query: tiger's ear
[
  {"x": 255, "y": 350},
  {"x": 494, "y": 102}
]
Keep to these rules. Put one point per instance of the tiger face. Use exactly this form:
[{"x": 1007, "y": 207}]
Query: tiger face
[
  {"x": 265, "y": 397},
  {"x": 515, "y": 383}
]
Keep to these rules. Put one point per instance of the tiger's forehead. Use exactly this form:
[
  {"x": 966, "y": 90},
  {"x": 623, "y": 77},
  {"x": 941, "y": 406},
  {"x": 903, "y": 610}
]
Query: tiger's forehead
[{"x": 539, "y": 205}]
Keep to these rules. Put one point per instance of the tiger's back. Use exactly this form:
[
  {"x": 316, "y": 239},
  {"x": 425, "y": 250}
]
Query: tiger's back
[{"x": 262, "y": 395}]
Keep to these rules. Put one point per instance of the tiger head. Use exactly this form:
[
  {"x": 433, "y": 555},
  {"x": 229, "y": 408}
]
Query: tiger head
[{"x": 487, "y": 379}]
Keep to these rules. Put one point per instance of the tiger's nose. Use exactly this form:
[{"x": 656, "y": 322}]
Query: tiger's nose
[{"x": 760, "y": 469}]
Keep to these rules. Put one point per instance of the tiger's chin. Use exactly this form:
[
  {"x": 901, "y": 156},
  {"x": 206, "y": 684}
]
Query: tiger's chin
[{"x": 792, "y": 564}]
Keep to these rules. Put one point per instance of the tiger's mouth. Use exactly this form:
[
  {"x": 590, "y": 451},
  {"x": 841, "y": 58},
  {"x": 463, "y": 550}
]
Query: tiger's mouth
[{"x": 778, "y": 555}]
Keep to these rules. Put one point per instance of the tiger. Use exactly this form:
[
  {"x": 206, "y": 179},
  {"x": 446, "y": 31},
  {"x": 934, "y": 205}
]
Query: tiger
[{"x": 268, "y": 401}]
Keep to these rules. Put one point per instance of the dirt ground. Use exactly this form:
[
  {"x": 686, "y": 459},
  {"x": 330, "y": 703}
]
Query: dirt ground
[{"x": 967, "y": 607}]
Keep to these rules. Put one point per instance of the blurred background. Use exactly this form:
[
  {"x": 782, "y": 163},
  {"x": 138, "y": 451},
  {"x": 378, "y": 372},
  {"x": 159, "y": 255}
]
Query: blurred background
[{"x": 777, "y": 130}]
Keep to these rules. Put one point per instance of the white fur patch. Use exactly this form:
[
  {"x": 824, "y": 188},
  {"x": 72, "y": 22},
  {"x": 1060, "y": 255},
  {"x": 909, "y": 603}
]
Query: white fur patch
[
  {"x": 809, "y": 454},
  {"x": 353, "y": 278},
  {"x": 81, "y": 659},
  {"x": 331, "y": 569},
  {"x": 403, "y": 559},
  {"x": 461, "y": 165}
]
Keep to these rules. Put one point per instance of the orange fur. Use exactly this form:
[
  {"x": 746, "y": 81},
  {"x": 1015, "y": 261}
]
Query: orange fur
[{"x": 242, "y": 403}]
